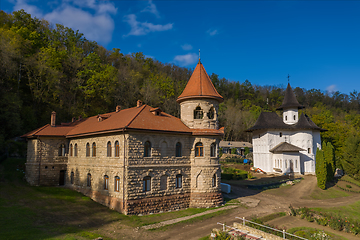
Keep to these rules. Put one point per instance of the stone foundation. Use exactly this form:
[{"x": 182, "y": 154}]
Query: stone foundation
[
  {"x": 206, "y": 199},
  {"x": 49, "y": 174},
  {"x": 157, "y": 204}
]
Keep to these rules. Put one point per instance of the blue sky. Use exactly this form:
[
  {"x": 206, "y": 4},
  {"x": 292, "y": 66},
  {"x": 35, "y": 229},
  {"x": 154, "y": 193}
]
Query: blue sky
[{"x": 316, "y": 42}]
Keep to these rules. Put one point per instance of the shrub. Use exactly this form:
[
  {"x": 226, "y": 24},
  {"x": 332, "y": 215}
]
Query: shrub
[{"x": 348, "y": 186}]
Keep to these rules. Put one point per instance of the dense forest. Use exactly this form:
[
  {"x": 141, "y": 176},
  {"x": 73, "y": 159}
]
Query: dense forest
[{"x": 45, "y": 68}]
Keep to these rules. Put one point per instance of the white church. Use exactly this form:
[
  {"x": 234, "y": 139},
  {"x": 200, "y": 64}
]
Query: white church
[{"x": 285, "y": 145}]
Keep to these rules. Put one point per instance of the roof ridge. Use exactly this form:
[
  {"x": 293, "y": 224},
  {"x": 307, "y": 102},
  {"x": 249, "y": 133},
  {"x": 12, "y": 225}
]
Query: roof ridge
[{"x": 143, "y": 107}]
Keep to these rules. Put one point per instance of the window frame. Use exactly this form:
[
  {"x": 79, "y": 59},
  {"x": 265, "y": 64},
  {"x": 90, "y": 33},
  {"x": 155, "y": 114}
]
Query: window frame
[
  {"x": 71, "y": 150},
  {"x": 108, "y": 149},
  {"x": 198, "y": 113},
  {"x": 199, "y": 149},
  {"x": 147, "y": 149},
  {"x": 106, "y": 182},
  {"x": 213, "y": 150},
  {"x": 117, "y": 184},
  {"x": 178, "y": 181},
  {"x": 75, "y": 150},
  {"x": 117, "y": 148},
  {"x": 147, "y": 184},
  {"x": 93, "y": 149},
  {"x": 87, "y": 149},
  {"x": 214, "y": 180},
  {"x": 178, "y": 149}
]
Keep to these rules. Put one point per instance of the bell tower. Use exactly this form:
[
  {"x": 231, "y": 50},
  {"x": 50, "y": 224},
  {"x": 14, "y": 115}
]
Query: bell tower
[
  {"x": 199, "y": 102},
  {"x": 290, "y": 107}
]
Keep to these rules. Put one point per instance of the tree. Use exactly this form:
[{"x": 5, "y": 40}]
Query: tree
[
  {"x": 351, "y": 156},
  {"x": 329, "y": 160},
  {"x": 320, "y": 169}
]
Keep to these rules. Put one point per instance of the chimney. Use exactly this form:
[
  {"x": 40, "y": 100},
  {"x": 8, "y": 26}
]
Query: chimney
[
  {"x": 53, "y": 118},
  {"x": 139, "y": 103},
  {"x": 118, "y": 108}
]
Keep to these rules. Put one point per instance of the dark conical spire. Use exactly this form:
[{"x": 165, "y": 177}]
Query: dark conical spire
[{"x": 290, "y": 100}]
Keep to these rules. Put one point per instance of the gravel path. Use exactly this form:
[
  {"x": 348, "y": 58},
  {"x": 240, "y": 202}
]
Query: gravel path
[{"x": 176, "y": 220}]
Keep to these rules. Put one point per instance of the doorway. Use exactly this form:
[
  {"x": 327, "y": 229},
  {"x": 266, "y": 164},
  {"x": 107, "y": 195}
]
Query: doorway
[{"x": 62, "y": 178}]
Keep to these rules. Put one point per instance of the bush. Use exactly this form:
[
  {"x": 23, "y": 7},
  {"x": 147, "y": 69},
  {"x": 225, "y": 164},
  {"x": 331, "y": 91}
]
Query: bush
[
  {"x": 233, "y": 174},
  {"x": 348, "y": 186}
]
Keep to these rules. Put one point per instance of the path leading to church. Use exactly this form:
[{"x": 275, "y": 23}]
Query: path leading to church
[{"x": 267, "y": 203}]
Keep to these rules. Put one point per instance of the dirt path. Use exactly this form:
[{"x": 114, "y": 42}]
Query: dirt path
[{"x": 267, "y": 203}]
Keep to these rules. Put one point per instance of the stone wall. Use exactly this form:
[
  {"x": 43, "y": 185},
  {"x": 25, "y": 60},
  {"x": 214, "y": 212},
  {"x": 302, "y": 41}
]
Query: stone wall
[
  {"x": 43, "y": 164},
  {"x": 187, "y": 113}
]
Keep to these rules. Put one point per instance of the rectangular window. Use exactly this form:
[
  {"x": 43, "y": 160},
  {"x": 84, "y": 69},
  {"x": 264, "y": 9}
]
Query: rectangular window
[{"x": 147, "y": 184}]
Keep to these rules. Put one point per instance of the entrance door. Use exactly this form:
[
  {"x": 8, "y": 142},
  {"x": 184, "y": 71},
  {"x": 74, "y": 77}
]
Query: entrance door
[
  {"x": 62, "y": 178},
  {"x": 291, "y": 166}
]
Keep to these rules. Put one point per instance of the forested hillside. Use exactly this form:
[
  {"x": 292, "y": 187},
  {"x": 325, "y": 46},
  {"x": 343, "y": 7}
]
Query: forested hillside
[{"x": 45, "y": 68}]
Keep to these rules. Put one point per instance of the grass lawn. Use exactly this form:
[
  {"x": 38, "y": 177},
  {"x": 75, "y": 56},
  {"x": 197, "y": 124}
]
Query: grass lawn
[
  {"x": 28, "y": 212},
  {"x": 331, "y": 192},
  {"x": 309, "y": 233},
  {"x": 350, "y": 211},
  {"x": 347, "y": 178}
]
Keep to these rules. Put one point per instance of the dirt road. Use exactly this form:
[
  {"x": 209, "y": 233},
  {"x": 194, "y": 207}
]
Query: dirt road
[{"x": 267, "y": 203}]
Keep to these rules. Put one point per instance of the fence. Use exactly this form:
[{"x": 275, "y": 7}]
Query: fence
[{"x": 284, "y": 233}]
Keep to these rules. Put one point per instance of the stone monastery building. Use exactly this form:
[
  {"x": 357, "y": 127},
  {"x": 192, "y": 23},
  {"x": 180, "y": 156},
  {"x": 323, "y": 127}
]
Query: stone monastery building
[
  {"x": 137, "y": 160},
  {"x": 285, "y": 145}
]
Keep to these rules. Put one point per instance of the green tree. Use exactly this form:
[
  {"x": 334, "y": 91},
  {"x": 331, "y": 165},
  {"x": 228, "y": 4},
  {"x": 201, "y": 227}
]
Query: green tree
[
  {"x": 329, "y": 160},
  {"x": 321, "y": 171},
  {"x": 351, "y": 157}
]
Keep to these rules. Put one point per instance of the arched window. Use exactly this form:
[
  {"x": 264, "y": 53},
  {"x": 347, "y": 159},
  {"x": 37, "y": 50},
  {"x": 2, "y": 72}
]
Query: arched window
[
  {"x": 213, "y": 150},
  {"x": 178, "y": 151},
  {"x": 72, "y": 178},
  {"x": 294, "y": 117},
  {"x": 75, "y": 150},
  {"x": 214, "y": 180},
  {"x": 147, "y": 184},
  {"x": 198, "y": 113},
  {"x": 211, "y": 113},
  {"x": 280, "y": 134},
  {"x": 285, "y": 118},
  {"x": 88, "y": 180},
  {"x": 106, "y": 182},
  {"x": 117, "y": 184},
  {"x": 62, "y": 150},
  {"x": 94, "y": 149},
  {"x": 108, "y": 148},
  {"x": 309, "y": 150},
  {"x": 71, "y": 150},
  {"x": 88, "y": 149},
  {"x": 178, "y": 183},
  {"x": 163, "y": 182},
  {"x": 117, "y": 149},
  {"x": 199, "y": 150},
  {"x": 147, "y": 149}
]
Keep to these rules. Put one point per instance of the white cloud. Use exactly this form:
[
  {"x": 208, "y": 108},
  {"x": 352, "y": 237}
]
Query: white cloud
[
  {"x": 31, "y": 9},
  {"x": 143, "y": 28},
  {"x": 186, "y": 47},
  {"x": 331, "y": 88},
  {"x": 75, "y": 14},
  {"x": 212, "y": 32},
  {"x": 151, "y": 8},
  {"x": 187, "y": 59}
]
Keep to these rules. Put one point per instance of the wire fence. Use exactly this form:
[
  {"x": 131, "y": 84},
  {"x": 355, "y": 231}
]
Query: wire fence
[{"x": 271, "y": 230}]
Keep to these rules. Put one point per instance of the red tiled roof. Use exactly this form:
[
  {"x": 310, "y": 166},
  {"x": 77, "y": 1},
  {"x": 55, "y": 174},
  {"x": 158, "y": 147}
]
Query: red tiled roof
[
  {"x": 136, "y": 118},
  {"x": 200, "y": 86}
]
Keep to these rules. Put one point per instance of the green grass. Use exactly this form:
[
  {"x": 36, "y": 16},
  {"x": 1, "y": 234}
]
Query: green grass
[
  {"x": 307, "y": 232},
  {"x": 195, "y": 219},
  {"x": 329, "y": 193},
  {"x": 60, "y": 213},
  {"x": 350, "y": 211},
  {"x": 272, "y": 216},
  {"x": 350, "y": 179}
]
